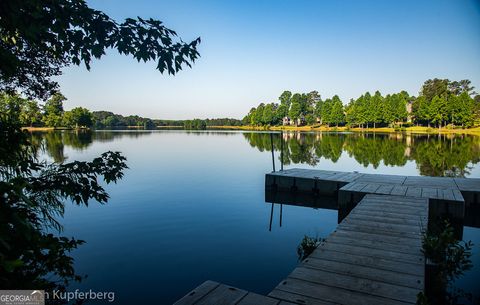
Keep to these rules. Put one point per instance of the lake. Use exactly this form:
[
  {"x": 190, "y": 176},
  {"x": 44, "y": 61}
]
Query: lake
[{"x": 191, "y": 206}]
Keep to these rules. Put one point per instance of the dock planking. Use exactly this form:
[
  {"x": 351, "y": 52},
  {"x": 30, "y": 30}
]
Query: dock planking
[
  {"x": 355, "y": 267},
  {"x": 213, "y": 293}
]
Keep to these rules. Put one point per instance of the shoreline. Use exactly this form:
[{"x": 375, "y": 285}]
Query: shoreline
[{"x": 413, "y": 129}]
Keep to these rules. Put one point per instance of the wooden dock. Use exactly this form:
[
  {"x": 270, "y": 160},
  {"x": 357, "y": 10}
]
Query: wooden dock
[
  {"x": 374, "y": 256},
  {"x": 213, "y": 293},
  {"x": 332, "y": 182},
  {"x": 446, "y": 196}
]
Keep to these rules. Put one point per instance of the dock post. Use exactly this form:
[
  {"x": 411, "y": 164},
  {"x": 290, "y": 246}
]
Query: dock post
[
  {"x": 273, "y": 156},
  {"x": 281, "y": 150}
]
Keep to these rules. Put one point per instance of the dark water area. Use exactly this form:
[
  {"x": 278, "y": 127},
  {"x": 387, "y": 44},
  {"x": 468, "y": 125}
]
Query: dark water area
[{"x": 192, "y": 207}]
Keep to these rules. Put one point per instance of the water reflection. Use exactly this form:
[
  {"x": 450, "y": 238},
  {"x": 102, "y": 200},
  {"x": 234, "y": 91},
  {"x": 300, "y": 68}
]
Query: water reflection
[
  {"x": 54, "y": 142},
  {"x": 439, "y": 155},
  {"x": 435, "y": 155}
]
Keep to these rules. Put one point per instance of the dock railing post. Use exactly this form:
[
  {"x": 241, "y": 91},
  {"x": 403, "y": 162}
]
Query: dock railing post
[
  {"x": 273, "y": 156},
  {"x": 281, "y": 150}
]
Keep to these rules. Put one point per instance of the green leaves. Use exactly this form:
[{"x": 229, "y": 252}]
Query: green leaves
[
  {"x": 39, "y": 38},
  {"x": 195, "y": 124},
  {"x": 442, "y": 101},
  {"x": 307, "y": 246},
  {"x": 77, "y": 117},
  {"x": 32, "y": 198},
  {"x": 451, "y": 257}
]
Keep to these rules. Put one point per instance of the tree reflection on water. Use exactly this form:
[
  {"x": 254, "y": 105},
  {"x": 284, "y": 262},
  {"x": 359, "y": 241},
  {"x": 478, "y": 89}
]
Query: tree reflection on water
[{"x": 449, "y": 155}]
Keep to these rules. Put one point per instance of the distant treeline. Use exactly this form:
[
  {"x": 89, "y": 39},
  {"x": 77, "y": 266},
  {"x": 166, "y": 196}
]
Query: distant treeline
[
  {"x": 440, "y": 102},
  {"x": 203, "y": 124},
  {"x": 105, "y": 119},
  {"x": 52, "y": 114}
]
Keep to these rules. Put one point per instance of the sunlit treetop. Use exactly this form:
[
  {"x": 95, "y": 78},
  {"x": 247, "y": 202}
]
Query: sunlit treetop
[{"x": 39, "y": 38}]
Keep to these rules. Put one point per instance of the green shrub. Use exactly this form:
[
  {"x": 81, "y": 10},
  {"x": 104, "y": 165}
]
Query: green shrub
[{"x": 307, "y": 246}]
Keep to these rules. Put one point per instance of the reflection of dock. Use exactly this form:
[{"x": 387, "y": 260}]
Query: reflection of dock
[{"x": 374, "y": 256}]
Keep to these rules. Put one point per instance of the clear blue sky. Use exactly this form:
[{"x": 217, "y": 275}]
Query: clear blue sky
[{"x": 253, "y": 50}]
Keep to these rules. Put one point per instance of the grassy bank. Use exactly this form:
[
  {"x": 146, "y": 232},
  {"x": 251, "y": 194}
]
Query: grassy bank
[
  {"x": 44, "y": 128},
  {"x": 413, "y": 129},
  {"x": 52, "y": 128}
]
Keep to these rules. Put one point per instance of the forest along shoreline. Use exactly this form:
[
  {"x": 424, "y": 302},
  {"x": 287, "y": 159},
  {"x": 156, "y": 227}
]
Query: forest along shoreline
[{"x": 413, "y": 129}]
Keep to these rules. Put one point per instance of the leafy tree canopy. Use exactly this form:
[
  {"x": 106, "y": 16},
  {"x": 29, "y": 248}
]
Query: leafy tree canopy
[{"x": 38, "y": 38}]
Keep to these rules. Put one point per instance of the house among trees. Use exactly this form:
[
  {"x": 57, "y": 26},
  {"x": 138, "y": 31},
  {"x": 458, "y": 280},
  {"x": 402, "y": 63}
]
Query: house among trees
[
  {"x": 409, "y": 111},
  {"x": 287, "y": 121}
]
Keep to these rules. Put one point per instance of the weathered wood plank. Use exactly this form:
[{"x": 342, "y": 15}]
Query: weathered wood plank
[
  {"x": 357, "y": 186},
  {"x": 371, "y": 188},
  {"x": 198, "y": 293},
  {"x": 385, "y": 226},
  {"x": 347, "y": 187},
  {"x": 423, "y": 181},
  {"x": 379, "y": 178},
  {"x": 293, "y": 298},
  {"x": 448, "y": 194},
  {"x": 393, "y": 240},
  {"x": 399, "y": 190},
  {"x": 351, "y": 177},
  {"x": 223, "y": 295},
  {"x": 371, "y": 243},
  {"x": 375, "y": 274},
  {"x": 428, "y": 192},
  {"x": 256, "y": 299},
  {"x": 379, "y": 206},
  {"x": 388, "y": 216},
  {"x": 387, "y": 254},
  {"x": 396, "y": 199},
  {"x": 394, "y": 209},
  {"x": 328, "y": 293},
  {"x": 414, "y": 191},
  {"x": 367, "y": 261},
  {"x": 385, "y": 189},
  {"x": 290, "y": 303},
  {"x": 413, "y": 221},
  {"x": 368, "y": 229},
  {"x": 358, "y": 284}
]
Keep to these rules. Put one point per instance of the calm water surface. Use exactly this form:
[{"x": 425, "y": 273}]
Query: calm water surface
[{"x": 192, "y": 205}]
